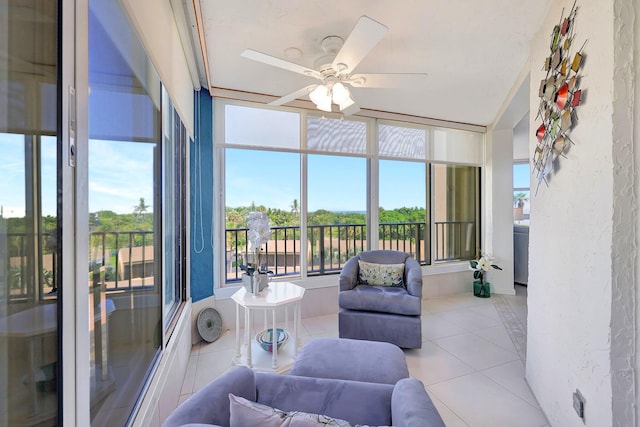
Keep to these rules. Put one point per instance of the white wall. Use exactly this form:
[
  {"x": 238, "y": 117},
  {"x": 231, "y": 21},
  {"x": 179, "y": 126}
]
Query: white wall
[
  {"x": 625, "y": 206},
  {"x": 636, "y": 219},
  {"x": 521, "y": 139},
  {"x": 498, "y": 185},
  {"x": 499, "y": 209},
  {"x": 573, "y": 270}
]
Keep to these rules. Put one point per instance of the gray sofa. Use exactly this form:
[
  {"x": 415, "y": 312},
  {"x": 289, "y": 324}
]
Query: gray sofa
[
  {"x": 404, "y": 404},
  {"x": 381, "y": 313}
]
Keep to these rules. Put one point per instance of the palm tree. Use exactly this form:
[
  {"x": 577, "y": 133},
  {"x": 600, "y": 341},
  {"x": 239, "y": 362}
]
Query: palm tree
[
  {"x": 519, "y": 199},
  {"x": 140, "y": 208},
  {"x": 295, "y": 208}
]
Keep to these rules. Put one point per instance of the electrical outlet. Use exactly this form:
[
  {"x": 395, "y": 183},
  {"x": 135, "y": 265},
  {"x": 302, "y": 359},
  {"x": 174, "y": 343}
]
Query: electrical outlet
[{"x": 578, "y": 404}]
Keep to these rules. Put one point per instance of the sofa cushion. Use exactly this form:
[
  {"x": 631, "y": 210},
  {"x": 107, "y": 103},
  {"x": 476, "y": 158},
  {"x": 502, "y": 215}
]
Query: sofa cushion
[
  {"x": 380, "y": 274},
  {"x": 353, "y": 401},
  {"x": 247, "y": 413},
  {"x": 380, "y": 299},
  {"x": 346, "y": 359},
  {"x": 383, "y": 256}
]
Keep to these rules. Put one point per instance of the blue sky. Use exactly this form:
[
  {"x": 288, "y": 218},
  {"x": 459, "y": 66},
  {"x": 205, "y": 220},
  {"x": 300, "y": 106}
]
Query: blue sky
[
  {"x": 335, "y": 183},
  {"x": 121, "y": 173}
]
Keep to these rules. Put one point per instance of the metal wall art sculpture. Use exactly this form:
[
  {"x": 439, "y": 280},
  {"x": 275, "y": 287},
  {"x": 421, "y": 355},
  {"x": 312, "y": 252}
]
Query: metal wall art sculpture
[{"x": 560, "y": 96}]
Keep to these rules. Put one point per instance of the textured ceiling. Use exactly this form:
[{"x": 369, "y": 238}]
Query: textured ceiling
[{"x": 472, "y": 51}]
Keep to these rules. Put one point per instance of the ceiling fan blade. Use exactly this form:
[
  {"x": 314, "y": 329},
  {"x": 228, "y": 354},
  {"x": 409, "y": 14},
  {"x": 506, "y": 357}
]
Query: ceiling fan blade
[
  {"x": 294, "y": 95},
  {"x": 352, "y": 109},
  {"x": 387, "y": 80},
  {"x": 364, "y": 36},
  {"x": 280, "y": 63}
]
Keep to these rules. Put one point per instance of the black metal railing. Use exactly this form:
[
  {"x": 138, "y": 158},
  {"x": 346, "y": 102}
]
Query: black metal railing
[
  {"x": 120, "y": 260},
  {"x": 124, "y": 260},
  {"x": 330, "y": 246},
  {"x": 409, "y": 237},
  {"x": 31, "y": 260}
]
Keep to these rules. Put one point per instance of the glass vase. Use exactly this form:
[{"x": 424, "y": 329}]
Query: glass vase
[{"x": 481, "y": 289}]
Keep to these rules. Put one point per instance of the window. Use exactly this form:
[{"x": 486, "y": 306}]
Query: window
[
  {"x": 521, "y": 193},
  {"x": 137, "y": 145},
  {"x": 266, "y": 181},
  {"x": 402, "y": 211},
  {"x": 455, "y": 211},
  {"x": 174, "y": 223},
  {"x": 354, "y": 184},
  {"x": 336, "y": 215},
  {"x": 402, "y": 189},
  {"x": 30, "y": 214}
]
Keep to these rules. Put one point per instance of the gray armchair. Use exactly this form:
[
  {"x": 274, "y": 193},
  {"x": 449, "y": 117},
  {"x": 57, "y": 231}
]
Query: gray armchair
[{"x": 381, "y": 313}]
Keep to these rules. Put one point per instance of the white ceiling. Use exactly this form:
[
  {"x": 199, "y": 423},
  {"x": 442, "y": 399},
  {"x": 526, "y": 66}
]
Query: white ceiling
[{"x": 473, "y": 51}]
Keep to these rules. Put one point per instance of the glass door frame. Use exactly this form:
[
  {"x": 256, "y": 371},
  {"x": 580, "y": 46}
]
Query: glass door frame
[{"x": 73, "y": 316}]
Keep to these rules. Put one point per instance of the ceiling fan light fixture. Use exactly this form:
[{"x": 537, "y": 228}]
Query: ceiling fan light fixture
[
  {"x": 321, "y": 98},
  {"x": 342, "y": 96}
]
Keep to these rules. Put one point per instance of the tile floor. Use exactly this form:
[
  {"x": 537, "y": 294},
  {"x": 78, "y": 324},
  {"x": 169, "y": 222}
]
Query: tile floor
[{"x": 468, "y": 362}]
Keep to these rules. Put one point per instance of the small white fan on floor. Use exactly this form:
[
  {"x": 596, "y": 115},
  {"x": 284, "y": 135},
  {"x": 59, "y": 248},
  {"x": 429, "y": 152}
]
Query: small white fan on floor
[{"x": 209, "y": 324}]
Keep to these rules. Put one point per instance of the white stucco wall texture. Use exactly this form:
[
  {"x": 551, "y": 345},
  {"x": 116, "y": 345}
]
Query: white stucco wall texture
[{"x": 582, "y": 251}]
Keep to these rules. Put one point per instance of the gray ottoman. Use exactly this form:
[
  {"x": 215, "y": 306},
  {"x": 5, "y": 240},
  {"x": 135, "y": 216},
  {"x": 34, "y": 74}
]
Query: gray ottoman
[{"x": 355, "y": 360}]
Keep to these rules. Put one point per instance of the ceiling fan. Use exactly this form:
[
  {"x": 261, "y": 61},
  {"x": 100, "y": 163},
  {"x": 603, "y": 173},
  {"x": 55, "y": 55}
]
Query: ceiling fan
[{"x": 335, "y": 69}]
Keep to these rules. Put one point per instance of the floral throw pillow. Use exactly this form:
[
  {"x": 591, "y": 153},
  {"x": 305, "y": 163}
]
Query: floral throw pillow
[
  {"x": 380, "y": 274},
  {"x": 245, "y": 413}
]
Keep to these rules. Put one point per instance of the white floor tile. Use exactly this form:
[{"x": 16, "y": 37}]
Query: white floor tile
[
  {"x": 431, "y": 364},
  {"x": 439, "y": 305},
  {"x": 450, "y": 419},
  {"x": 469, "y": 320},
  {"x": 434, "y": 326},
  {"x": 226, "y": 341},
  {"x": 511, "y": 376},
  {"x": 321, "y": 325},
  {"x": 195, "y": 349},
  {"x": 190, "y": 375},
  {"x": 474, "y": 378},
  {"x": 487, "y": 310},
  {"x": 475, "y": 351},
  {"x": 182, "y": 398},
  {"x": 210, "y": 366},
  {"x": 497, "y": 335},
  {"x": 479, "y": 401}
]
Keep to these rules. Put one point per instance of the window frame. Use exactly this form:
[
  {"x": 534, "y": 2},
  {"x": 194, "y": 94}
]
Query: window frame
[{"x": 372, "y": 157}]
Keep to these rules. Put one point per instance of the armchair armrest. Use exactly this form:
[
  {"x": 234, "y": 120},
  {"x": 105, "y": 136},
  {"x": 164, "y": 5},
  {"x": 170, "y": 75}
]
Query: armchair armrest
[
  {"x": 349, "y": 274},
  {"x": 210, "y": 404},
  {"x": 411, "y": 406},
  {"x": 413, "y": 275}
]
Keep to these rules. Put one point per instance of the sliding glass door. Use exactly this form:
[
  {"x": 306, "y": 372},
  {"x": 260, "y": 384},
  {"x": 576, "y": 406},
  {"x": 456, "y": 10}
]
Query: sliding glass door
[
  {"x": 125, "y": 193},
  {"x": 30, "y": 254}
]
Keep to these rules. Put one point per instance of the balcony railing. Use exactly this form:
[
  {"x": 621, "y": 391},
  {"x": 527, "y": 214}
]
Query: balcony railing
[
  {"x": 330, "y": 246},
  {"x": 124, "y": 260}
]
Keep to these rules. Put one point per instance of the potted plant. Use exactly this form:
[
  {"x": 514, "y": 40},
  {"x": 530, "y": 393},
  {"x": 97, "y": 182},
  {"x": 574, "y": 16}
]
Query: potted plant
[{"x": 481, "y": 288}]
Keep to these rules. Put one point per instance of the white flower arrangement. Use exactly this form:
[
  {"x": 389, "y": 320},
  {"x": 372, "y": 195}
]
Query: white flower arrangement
[
  {"x": 481, "y": 266},
  {"x": 259, "y": 234}
]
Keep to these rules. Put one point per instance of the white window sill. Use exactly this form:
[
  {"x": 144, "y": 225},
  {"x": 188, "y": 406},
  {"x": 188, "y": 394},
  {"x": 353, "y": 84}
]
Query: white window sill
[{"x": 331, "y": 280}]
